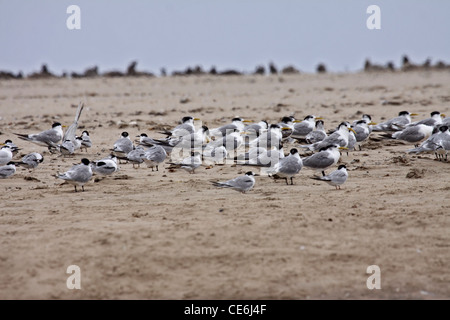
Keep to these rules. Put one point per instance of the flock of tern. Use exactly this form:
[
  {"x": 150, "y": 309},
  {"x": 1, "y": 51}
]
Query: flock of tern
[{"x": 241, "y": 142}]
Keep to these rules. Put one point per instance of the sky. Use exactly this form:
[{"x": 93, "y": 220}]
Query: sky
[{"x": 227, "y": 34}]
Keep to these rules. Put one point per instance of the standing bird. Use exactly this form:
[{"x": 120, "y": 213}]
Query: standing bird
[
  {"x": 438, "y": 142},
  {"x": 5, "y": 155},
  {"x": 325, "y": 158},
  {"x": 242, "y": 183},
  {"x": 123, "y": 145},
  {"x": 154, "y": 156},
  {"x": 31, "y": 160},
  {"x": 335, "y": 178},
  {"x": 135, "y": 156},
  {"x": 7, "y": 170},
  {"x": 287, "y": 167},
  {"x": 48, "y": 138},
  {"x": 66, "y": 148},
  {"x": 85, "y": 140},
  {"x": 362, "y": 131},
  {"x": 78, "y": 175}
]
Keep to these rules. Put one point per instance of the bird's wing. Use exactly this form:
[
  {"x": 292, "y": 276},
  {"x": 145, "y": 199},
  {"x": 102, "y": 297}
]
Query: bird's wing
[{"x": 70, "y": 132}]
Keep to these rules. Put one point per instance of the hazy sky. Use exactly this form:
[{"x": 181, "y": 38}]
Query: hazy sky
[{"x": 238, "y": 34}]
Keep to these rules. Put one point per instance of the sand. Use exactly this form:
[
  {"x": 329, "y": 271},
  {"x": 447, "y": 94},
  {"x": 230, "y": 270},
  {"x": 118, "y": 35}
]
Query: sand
[{"x": 170, "y": 235}]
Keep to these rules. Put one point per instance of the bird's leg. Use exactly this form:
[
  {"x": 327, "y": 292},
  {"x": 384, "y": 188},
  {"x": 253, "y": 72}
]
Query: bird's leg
[
  {"x": 286, "y": 181},
  {"x": 292, "y": 181},
  {"x": 359, "y": 147},
  {"x": 82, "y": 188},
  {"x": 323, "y": 173},
  {"x": 157, "y": 168},
  {"x": 76, "y": 189}
]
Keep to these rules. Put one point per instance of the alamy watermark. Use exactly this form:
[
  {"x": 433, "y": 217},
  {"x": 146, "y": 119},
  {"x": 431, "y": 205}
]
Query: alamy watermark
[
  {"x": 374, "y": 281},
  {"x": 73, "y": 22},
  {"x": 73, "y": 281},
  {"x": 374, "y": 20}
]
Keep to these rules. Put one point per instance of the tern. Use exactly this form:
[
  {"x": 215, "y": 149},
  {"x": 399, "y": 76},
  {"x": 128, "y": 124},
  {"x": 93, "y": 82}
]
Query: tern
[
  {"x": 287, "y": 167},
  {"x": 242, "y": 184},
  {"x": 78, "y": 175},
  {"x": 48, "y": 138},
  {"x": 335, "y": 178},
  {"x": 7, "y": 170}
]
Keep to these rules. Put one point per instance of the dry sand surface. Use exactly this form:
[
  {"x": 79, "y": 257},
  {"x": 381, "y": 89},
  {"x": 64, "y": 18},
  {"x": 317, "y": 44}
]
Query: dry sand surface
[{"x": 170, "y": 235}]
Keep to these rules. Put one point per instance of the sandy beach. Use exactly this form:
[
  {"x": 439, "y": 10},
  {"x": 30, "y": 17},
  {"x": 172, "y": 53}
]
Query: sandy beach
[{"x": 140, "y": 234}]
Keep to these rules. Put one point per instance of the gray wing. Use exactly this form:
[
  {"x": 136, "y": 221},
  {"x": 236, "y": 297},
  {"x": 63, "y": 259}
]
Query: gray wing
[
  {"x": 253, "y": 127},
  {"x": 157, "y": 154},
  {"x": 429, "y": 122},
  {"x": 78, "y": 173},
  {"x": 428, "y": 145},
  {"x": 316, "y": 136},
  {"x": 227, "y": 129},
  {"x": 123, "y": 145},
  {"x": 318, "y": 161},
  {"x": 70, "y": 132},
  {"x": 301, "y": 129},
  {"x": 47, "y": 137},
  {"x": 289, "y": 165},
  {"x": 336, "y": 176},
  {"x": 361, "y": 133},
  {"x": 410, "y": 134},
  {"x": 239, "y": 183},
  {"x": 86, "y": 142},
  {"x": 182, "y": 130},
  {"x": 6, "y": 171},
  {"x": 334, "y": 138}
]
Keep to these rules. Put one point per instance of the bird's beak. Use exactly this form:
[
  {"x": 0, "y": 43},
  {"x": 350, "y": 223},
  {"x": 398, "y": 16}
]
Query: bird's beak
[
  {"x": 286, "y": 128},
  {"x": 248, "y": 121},
  {"x": 414, "y": 114},
  {"x": 196, "y": 119},
  {"x": 443, "y": 115},
  {"x": 343, "y": 148},
  {"x": 351, "y": 129},
  {"x": 64, "y": 126},
  {"x": 256, "y": 174},
  {"x": 297, "y": 121},
  {"x": 372, "y": 123},
  {"x": 319, "y": 118}
]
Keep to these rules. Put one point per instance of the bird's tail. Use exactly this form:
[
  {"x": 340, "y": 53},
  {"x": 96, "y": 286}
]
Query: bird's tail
[{"x": 22, "y": 136}]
